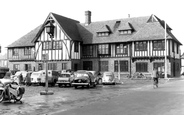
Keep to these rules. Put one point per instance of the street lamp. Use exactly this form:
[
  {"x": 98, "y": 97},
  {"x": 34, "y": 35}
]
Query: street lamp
[{"x": 50, "y": 30}]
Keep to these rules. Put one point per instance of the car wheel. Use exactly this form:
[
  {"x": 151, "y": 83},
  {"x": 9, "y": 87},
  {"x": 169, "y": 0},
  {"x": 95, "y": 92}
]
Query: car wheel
[
  {"x": 76, "y": 87},
  {"x": 100, "y": 81}
]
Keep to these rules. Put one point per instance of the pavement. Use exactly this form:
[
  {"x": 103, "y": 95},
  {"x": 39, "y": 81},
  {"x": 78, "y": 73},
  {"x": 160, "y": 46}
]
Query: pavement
[{"x": 168, "y": 99}]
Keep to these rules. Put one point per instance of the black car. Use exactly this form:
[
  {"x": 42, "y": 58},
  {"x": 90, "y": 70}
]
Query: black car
[{"x": 84, "y": 78}]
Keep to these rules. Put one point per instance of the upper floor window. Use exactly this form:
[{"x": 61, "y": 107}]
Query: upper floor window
[
  {"x": 125, "y": 32},
  {"x": 140, "y": 46},
  {"x": 15, "y": 52},
  {"x": 48, "y": 45},
  {"x": 121, "y": 48},
  {"x": 104, "y": 49},
  {"x": 57, "y": 45},
  {"x": 27, "y": 51},
  {"x": 102, "y": 34},
  {"x": 76, "y": 46},
  {"x": 159, "y": 45},
  {"x": 87, "y": 50}
]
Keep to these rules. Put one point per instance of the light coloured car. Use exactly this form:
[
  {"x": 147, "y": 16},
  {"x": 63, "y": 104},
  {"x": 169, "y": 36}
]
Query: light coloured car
[
  {"x": 108, "y": 78},
  {"x": 36, "y": 77},
  {"x": 65, "y": 79}
]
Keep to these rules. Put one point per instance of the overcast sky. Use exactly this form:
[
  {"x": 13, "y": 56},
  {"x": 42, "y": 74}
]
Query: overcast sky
[{"x": 18, "y": 17}]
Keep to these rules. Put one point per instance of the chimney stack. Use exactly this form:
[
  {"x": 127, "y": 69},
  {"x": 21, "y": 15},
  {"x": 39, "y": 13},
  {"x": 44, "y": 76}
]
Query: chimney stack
[{"x": 88, "y": 18}]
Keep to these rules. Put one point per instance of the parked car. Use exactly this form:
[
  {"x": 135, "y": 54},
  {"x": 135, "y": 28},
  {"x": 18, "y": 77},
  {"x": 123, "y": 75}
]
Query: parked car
[
  {"x": 84, "y": 78},
  {"x": 97, "y": 75},
  {"x": 65, "y": 79},
  {"x": 52, "y": 77},
  {"x": 108, "y": 78},
  {"x": 36, "y": 77}
]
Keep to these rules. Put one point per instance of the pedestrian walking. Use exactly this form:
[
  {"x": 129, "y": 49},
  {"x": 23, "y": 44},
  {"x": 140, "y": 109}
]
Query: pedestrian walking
[{"x": 155, "y": 78}]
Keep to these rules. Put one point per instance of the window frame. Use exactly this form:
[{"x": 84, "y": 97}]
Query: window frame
[
  {"x": 27, "y": 51},
  {"x": 141, "y": 46},
  {"x": 104, "y": 49},
  {"x": 142, "y": 67},
  {"x": 159, "y": 45},
  {"x": 121, "y": 49}
]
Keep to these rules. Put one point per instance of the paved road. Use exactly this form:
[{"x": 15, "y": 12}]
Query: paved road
[{"x": 168, "y": 99}]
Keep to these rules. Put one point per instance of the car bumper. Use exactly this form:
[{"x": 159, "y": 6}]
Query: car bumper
[
  {"x": 80, "y": 84},
  {"x": 66, "y": 82}
]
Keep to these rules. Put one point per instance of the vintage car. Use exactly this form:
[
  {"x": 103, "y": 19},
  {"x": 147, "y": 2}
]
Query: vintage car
[
  {"x": 65, "y": 79},
  {"x": 84, "y": 78},
  {"x": 108, "y": 78},
  {"x": 36, "y": 78},
  {"x": 97, "y": 75}
]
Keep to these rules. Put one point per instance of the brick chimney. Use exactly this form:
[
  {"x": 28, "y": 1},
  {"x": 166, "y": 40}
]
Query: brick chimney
[{"x": 88, "y": 18}]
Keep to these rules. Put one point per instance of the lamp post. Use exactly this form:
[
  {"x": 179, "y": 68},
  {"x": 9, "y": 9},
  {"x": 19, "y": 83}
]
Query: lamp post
[{"x": 50, "y": 30}]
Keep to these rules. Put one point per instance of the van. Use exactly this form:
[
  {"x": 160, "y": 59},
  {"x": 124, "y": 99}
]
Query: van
[
  {"x": 52, "y": 77},
  {"x": 40, "y": 76}
]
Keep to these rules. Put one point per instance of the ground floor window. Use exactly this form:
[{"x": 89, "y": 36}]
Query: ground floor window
[
  {"x": 40, "y": 66},
  {"x": 52, "y": 66},
  {"x": 28, "y": 67},
  {"x": 103, "y": 65},
  {"x": 123, "y": 65},
  {"x": 159, "y": 66},
  {"x": 64, "y": 66},
  {"x": 141, "y": 67},
  {"x": 88, "y": 65},
  {"x": 16, "y": 67}
]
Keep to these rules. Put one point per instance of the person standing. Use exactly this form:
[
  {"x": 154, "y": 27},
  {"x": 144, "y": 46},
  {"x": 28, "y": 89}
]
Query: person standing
[{"x": 155, "y": 77}]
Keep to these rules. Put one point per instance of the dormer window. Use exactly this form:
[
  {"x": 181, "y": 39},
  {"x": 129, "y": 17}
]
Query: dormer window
[
  {"x": 103, "y": 31},
  {"x": 125, "y": 29},
  {"x": 102, "y": 34},
  {"x": 124, "y": 32}
]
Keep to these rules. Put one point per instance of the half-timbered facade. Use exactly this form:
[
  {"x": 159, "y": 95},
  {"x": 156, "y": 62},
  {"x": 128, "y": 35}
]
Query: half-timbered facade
[
  {"x": 63, "y": 49},
  {"x": 123, "y": 46}
]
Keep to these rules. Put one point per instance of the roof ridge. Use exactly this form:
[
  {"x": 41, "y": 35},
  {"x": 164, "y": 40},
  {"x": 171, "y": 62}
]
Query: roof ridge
[
  {"x": 117, "y": 19},
  {"x": 65, "y": 17}
]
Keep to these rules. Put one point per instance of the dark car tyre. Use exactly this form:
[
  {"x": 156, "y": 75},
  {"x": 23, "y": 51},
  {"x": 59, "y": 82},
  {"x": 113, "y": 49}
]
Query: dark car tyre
[{"x": 1, "y": 96}]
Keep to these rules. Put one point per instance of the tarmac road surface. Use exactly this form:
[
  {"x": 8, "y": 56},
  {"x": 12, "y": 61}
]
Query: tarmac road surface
[{"x": 168, "y": 99}]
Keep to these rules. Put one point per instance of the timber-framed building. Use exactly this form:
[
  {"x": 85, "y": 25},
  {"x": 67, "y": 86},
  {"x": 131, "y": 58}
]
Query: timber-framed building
[{"x": 123, "y": 46}]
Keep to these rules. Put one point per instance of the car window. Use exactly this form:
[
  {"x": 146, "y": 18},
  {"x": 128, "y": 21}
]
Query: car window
[
  {"x": 81, "y": 75},
  {"x": 65, "y": 75},
  {"x": 36, "y": 74}
]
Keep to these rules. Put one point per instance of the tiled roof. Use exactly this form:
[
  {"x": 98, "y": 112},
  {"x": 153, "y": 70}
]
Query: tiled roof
[
  {"x": 88, "y": 33},
  {"x": 69, "y": 26},
  {"x": 26, "y": 39},
  {"x": 104, "y": 28},
  {"x": 144, "y": 28},
  {"x": 125, "y": 26}
]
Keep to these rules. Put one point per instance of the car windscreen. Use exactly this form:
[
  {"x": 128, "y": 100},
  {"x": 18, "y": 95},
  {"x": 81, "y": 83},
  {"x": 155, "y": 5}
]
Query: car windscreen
[
  {"x": 81, "y": 75},
  {"x": 36, "y": 74},
  {"x": 65, "y": 75}
]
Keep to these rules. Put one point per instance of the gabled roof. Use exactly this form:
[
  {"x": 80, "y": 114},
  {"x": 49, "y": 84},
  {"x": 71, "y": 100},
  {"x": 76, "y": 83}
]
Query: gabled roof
[
  {"x": 125, "y": 26},
  {"x": 68, "y": 26},
  {"x": 25, "y": 41},
  {"x": 104, "y": 28}
]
